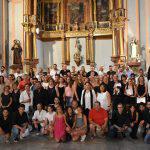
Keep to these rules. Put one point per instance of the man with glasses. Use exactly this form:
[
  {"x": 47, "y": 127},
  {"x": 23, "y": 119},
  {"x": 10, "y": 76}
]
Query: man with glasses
[{"x": 120, "y": 122}]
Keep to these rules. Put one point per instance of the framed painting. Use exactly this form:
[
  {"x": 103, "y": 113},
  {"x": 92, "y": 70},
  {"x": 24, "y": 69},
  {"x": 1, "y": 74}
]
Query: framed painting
[{"x": 102, "y": 10}]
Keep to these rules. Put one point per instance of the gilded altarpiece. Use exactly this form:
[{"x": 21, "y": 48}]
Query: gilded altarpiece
[{"x": 65, "y": 19}]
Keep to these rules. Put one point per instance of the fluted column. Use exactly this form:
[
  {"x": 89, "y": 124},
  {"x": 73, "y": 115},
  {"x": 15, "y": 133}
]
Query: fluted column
[
  {"x": 68, "y": 51},
  {"x": 114, "y": 50},
  {"x": 111, "y": 5},
  {"x": 119, "y": 4},
  {"x": 92, "y": 52},
  {"x": 121, "y": 42},
  {"x": 63, "y": 49},
  {"x": 34, "y": 33},
  {"x": 87, "y": 51}
]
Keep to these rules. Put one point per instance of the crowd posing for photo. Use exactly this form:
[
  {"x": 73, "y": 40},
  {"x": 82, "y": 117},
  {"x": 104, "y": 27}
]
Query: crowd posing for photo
[{"x": 69, "y": 105}]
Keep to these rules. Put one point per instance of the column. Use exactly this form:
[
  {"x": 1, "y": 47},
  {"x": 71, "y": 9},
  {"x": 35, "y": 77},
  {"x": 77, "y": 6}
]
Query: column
[
  {"x": 92, "y": 52},
  {"x": 34, "y": 34},
  {"x": 63, "y": 50},
  {"x": 121, "y": 42},
  {"x": 94, "y": 11},
  {"x": 28, "y": 53},
  {"x": 111, "y": 5},
  {"x": 114, "y": 50},
  {"x": 119, "y": 4},
  {"x": 87, "y": 51},
  {"x": 68, "y": 51},
  {"x": 91, "y": 10}
]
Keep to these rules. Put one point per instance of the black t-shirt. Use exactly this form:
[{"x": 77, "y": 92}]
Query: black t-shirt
[
  {"x": 89, "y": 73},
  {"x": 15, "y": 100},
  {"x": 20, "y": 119},
  {"x": 64, "y": 72},
  {"x": 6, "y": 124},
  {"x": 120, "y": 119},
  {"x": 39, "y": 96},
  {"x": 111, "y": 72},
  {"x": 6, "y": 99}
]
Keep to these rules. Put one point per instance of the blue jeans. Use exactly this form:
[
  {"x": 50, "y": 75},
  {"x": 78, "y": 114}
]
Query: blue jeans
[
  {"x": 68, "y": 101},
  {"x": 147, "y": 139},
  {"x": 15, "y": 133}
]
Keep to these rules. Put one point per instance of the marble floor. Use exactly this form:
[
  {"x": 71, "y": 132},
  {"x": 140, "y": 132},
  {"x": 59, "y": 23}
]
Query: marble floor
[{"x": 42, "y": 143}]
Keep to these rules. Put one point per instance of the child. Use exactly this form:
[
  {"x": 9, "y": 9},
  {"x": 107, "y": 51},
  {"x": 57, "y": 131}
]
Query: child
[
  {"x": 80, "y": 126},
  {"x": 49, "y": 119},
  {"x": 70, "y": 122},
  {"x": 59, "y": 125}
]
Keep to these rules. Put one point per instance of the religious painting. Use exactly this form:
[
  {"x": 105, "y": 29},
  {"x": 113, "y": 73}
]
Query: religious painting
[
  {"x": 102, "y": 10},
  {"x": 76, "y": 12},
  {"x": 50, "y": 15}
]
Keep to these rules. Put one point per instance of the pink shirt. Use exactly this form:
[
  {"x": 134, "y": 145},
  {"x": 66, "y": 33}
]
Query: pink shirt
[{"x": 68, "y": 91}]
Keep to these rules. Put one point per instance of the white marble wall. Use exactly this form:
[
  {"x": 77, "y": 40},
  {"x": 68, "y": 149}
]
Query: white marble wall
[{"x": 50, "y": 53}]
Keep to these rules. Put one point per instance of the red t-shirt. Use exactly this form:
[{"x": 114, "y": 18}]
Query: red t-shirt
[{"x": 98, "y": 116}]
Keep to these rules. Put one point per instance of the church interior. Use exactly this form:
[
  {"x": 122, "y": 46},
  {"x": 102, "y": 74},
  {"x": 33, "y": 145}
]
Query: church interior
[{"x": 75, "y": 32}]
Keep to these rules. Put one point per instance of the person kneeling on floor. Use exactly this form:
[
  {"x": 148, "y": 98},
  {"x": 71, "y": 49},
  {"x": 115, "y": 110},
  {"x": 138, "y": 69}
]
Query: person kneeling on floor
[
  {"x": 98, "y": 119},
  {"x": 20, "y": 125}
]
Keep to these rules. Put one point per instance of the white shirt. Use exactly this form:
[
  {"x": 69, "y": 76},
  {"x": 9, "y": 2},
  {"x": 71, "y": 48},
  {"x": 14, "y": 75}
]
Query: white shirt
[
  {"x": 101, "y": 73},
  {"x": 17, "y": 75},
  {"x": 53, "y": 73},
  {"x": 45, "y": 85},
  {"x": 149, "y": 87},
  {"x": 25, "y": 96},
  {"x": 88, "y": 99},
  {"x": 102, "y": 98},
  {"x": 4, "y": 74},
  {"x": 40, "y": 116},
  {"x": 50, "y": 116}
]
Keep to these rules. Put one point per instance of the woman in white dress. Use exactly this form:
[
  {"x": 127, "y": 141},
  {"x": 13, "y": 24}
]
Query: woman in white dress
[{"x": 104, "y": 98}]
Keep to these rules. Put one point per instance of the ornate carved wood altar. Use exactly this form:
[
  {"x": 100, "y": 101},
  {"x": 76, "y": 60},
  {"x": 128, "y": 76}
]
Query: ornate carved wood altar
[{"x": 64, "y": 19}]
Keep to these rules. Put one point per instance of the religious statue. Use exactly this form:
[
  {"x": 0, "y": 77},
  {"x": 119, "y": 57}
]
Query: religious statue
[
  {"x": 134, "y": 49},
  {"x": 77, "y": 56},
  {"x": 17, "y": 52}
]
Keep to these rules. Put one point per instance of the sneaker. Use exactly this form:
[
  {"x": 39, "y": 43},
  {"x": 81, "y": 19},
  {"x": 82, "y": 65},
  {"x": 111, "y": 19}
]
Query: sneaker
[
  {"x": 83, "y": 138},
  {"x": 37, "y": 134},
  {"x": 21, "y": 137}
]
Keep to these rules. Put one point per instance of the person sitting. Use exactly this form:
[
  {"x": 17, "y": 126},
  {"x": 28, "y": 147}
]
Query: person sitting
[
  {"x": 133, "y": 116},
  {"x": 70, "y": 122},
  {"x": 20, "y": 124},
  {"x": 98, "y": 119},
  {"x": 74, "y": 106},
  {"x": 49, "y": 120},
  {"x": 5, "y": 125},
  {"x": 147, "y": 123},
  {"x": 120, "y": 122},
  {"x": 38, "y": 118},
  {"x": 80, "y": 126}
]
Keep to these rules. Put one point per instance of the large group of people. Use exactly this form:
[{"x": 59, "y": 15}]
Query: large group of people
[{"x": 69, "y": 105}]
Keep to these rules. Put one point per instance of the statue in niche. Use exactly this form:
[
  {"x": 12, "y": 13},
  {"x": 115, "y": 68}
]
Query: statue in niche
[
  {"x": 77, "y": 56},
  {"x": 134, "y": 49},
  {"x": 17, "y": 52}
]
